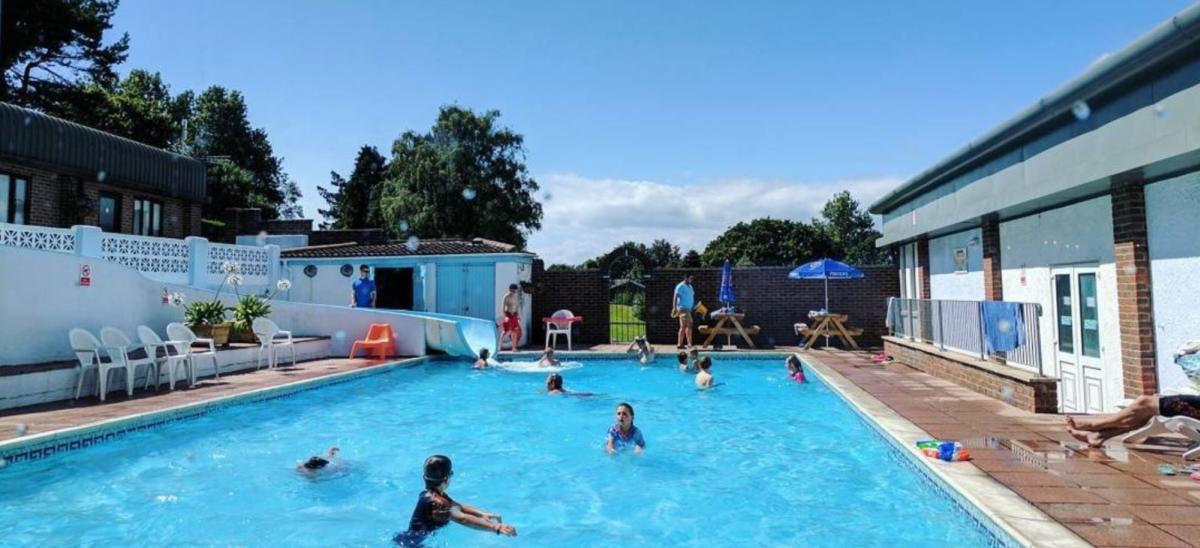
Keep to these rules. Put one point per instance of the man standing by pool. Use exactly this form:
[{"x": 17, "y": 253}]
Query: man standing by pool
[
  {"x": 363, "y": 289},
  {"x": 684, "y": 300},
  {"x": 511, "y": 324}
]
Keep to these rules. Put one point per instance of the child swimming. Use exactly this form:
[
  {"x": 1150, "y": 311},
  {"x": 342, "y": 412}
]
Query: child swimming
[
  {"x": 624, "y": 434},
  {"x": 482, "y": 362},
  {"x": 694, "y": 355},
  {"x": 435, "y": 508},
  {"x": 645, "y": 352},
  {"x": 548, "y": 359},
  {"x": 554, "y": 384},
  {"x": 795, "y": 369},
  {"x": 315, "y": 466},
  {"x": 704, "y": 378},
  {"x": 684, "y": 364}
]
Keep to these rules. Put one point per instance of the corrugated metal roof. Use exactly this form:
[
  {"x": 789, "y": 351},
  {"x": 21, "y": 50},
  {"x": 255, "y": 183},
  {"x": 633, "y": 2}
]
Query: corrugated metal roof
[
  {"x": 88, "y": 152},
  {"x": 400, "y": 249}
]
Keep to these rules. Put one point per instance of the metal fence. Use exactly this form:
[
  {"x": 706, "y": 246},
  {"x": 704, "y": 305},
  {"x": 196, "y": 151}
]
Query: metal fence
[{"x": 958, "y": 326}]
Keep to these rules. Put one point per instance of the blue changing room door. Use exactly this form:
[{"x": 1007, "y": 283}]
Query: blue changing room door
[{"x": 467, "y": 290}]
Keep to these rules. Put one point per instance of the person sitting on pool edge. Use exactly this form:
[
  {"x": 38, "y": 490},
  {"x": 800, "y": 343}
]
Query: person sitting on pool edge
[
  {"x": 315, "y": 465},
  {"x": 624, "y": 434},
  {"x": 554, "y": 384},
  {"x": 704, "y": 378},
  {"x": 548, "y": 359},
  {"x": 435, "y": 508},
  {"x": 795, "y": 369},
  {"x": 482, "y": 362}
]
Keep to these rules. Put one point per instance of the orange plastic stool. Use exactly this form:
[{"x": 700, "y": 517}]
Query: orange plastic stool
[{"x": 380, "y": 340}]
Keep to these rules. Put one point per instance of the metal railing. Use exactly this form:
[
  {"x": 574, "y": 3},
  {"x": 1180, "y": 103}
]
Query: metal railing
[{"x": 958, "y": 326}]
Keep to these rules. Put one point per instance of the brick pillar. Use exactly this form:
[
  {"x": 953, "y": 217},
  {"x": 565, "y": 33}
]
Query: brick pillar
[
  {"x": 993, "y": 285},
  {"x": 1133, "y": 289},
  {"x": 923, "y": 269}
]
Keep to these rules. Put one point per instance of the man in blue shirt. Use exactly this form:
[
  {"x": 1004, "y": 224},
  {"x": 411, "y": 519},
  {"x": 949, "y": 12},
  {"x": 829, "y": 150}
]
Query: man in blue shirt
[
  {"x": 363, "y": 294},
  {"x": 684, "y": 301}
]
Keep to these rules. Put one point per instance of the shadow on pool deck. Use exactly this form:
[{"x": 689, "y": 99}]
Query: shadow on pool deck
[
  {"x": 71, "y": 413},
  {"x": 1113, "y": 496}
]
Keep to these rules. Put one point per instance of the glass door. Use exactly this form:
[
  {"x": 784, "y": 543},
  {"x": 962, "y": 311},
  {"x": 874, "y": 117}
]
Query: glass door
[{"x": 1077, "y": 339}]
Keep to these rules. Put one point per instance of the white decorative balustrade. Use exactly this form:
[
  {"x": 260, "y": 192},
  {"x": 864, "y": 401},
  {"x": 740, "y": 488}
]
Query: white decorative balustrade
[
  {"x": 161, "y": 259},
  {"x": 192, "y": 261},
  {"x": 42, "y": 238}
]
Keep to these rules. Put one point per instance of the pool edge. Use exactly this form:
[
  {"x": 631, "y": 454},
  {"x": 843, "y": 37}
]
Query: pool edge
[
  {"x": 46, "y": 444},
  {"x": 1016, "y": 517}
]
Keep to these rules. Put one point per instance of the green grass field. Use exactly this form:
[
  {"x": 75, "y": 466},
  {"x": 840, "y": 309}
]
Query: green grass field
[{"x": 622, "y": 324}]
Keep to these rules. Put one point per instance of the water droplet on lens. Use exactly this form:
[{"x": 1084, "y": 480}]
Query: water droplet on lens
[
  {"x": 340, "y": 335},
  {"x": 547, "y": 196},
  {"x": 403, "y": 226},
  {"x": 261, "y": 239},
  {"x": 469, "y": 193},
  {"x": 22, "y": 429},
  {"x": 1160, "y": 111},
  {"x": 28, "y": 120},
  {"x": 1081, "y": 110},
  {"x": 101, "y": 176},
  {"x": 654, "y": 309},
  {"x": 412, "y": 243}
]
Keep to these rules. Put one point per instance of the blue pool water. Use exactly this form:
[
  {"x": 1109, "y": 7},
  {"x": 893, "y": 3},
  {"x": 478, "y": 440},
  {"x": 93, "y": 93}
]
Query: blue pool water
[{"x": 759, "y": 461}]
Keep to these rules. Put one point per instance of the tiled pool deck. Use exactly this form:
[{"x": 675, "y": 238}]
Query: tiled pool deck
[{"x": 1109, "y": 497}]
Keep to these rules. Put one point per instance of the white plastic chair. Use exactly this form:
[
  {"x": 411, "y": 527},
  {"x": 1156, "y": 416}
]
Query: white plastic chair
[
  {"x": 185, "y": 338},
  {"x": 554, "y": 329},
  {"x": 267, "y": 333},
  {"x": 1180, "y": 425},
  {"x": 125, "y": 354},
  {"x": 87, "y": 347},
  {"x": 168, "y": 353}
]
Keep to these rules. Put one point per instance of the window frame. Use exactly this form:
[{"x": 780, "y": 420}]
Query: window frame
[
  {"x": 116, "y": 213},
  {"x": 149, "y": 212},
  {"x": 11, "y": 209}
]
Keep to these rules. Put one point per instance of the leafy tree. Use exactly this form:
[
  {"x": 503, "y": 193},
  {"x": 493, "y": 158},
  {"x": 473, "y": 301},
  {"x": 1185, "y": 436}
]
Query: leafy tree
[
  {"x": 691, "y": 259},
  {"x": 289, "y": 207},
  {"x": 559, "y": 267},
  {"x": 49, "y": 48},
  {"x": 139, "y": 107},
  {"x": 664, "y": 254},
  {"x": 850, "y": 231},
  {"x": 354, "y": 203},
  {"x": 465, "y": 177},
  {"x": 765, "y": 242}
]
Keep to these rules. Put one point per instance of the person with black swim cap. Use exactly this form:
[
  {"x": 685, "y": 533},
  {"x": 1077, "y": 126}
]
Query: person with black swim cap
[
  {"x": 435, "y": 508},
  {"x": 315, "y": 465}
]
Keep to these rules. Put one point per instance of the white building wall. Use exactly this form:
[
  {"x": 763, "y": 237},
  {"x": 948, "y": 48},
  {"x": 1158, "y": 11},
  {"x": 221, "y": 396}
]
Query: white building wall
[
  {"x": 1076, "y": 235},
  {"x": 946, "y": 281},
  {"x": 1173, "y": 231}
]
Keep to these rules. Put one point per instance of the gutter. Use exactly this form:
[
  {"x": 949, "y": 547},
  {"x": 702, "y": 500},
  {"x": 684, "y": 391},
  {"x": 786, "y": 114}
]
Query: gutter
[{"x": 1153, "y": 47}]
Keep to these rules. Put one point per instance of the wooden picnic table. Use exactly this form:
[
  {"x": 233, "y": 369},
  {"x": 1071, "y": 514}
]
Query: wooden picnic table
[
  {"x": 735, "y": 329},
  {"x": 831, "y": 325}
]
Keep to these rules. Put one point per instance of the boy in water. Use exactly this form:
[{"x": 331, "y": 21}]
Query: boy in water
[
  {"x": 684, "y": 364},
  {"x": 704, "y": 378},
  {"x": 482, "y": 362},
  {"x": 548, "y": 359},
  {"x": 645, "y": 352},
  {"x": 435, "y": 508},
  {"x": 315, "y": 465}
]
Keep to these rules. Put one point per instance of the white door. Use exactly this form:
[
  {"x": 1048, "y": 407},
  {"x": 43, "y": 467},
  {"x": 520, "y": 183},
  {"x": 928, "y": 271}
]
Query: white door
[{"x": 1077, "y": 339}]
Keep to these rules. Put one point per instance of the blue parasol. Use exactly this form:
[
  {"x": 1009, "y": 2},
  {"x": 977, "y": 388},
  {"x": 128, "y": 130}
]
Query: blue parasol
[
  {"x": 825, "y": 269},
  {"x": 726, "y": 294}
]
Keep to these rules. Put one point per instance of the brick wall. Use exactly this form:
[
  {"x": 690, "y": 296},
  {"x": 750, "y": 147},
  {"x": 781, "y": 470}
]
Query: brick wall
[
  {"x": 923, "y": 282},
  {"x": 362, "y": 236},
  {"x": 1132, "y": 260},
  {"x": 1037, "y": 395},
  {"x": 583, "y": 292},
  {"x": 775, "y": 303},
  {"x": 51, "y": 195},
  {"x": 288, "y": 226},
  {"x": 993, "y": 285}
]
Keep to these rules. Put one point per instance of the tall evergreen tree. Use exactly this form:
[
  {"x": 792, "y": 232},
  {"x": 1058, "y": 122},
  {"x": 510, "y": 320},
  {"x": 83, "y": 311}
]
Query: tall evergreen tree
[{"x": 354, "y": 203}]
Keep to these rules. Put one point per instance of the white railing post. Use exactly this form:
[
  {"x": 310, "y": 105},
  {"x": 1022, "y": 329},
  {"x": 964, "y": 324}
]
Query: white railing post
[
  {"x": 273, "y": 265},
  {"x": 88, "y": 240},
  {"x": 197, "y": 261}
]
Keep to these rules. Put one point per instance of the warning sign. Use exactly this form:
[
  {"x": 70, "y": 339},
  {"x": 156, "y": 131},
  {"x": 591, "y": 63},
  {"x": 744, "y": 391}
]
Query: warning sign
[{"x": 85, "y": 275}]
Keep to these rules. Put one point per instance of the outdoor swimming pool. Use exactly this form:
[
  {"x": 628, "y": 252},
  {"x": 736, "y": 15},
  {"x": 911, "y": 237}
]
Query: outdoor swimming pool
[{"x": 759, "y": 461}]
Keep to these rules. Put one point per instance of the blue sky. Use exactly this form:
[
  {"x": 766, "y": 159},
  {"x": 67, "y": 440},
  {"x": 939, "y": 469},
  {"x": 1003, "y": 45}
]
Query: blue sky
[{"x": 642, "y": 119}]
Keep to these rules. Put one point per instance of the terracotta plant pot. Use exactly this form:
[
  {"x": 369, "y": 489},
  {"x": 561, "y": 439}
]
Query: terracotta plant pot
[{"x": 219, "y": 333}]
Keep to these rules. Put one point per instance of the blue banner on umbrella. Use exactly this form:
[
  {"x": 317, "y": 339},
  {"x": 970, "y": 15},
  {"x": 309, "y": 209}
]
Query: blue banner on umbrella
[
  {"x": 825, "y": 269},
  {"x": 726, "y": 295}
]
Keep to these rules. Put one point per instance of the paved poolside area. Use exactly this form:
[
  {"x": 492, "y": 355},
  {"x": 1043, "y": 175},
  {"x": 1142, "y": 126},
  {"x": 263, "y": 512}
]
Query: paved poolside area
[
  {"x": 1112, "y": 496},
  {"x": 87, "y": 410}
]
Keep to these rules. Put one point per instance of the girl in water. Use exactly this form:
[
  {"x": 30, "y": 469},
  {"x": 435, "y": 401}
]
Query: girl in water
[
  {"x": 435, "y": 508},
  {"x": 795, "y": 369},
  {"x": 554, "y": 384},
  {"x": 624, "y": 434}
]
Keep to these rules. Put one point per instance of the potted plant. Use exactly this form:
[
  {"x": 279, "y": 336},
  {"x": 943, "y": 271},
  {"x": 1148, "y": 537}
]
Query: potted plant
[
  {"x": 207, "y": 318},
  {"x": 251, "y": 307}
]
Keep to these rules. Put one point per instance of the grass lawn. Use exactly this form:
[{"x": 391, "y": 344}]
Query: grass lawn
[{"x": 622, "y": 324}]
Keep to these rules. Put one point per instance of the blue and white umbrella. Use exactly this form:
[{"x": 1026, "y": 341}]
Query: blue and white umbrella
[
  {"x": 726, "y": 294},
  {"x": 825, "y": 269}
]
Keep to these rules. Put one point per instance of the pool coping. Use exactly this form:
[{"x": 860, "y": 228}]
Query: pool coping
[
  {"x": 1015, "y": 517},
  {"x": 46, "y": 444}
]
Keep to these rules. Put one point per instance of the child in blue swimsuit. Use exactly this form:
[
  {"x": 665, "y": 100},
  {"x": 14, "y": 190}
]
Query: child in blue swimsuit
[{"x": 624, "y": 434}]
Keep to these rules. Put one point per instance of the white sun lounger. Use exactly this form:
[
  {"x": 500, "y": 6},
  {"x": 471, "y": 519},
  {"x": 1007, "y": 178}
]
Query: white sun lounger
[{"x": 1158, "y": 426}]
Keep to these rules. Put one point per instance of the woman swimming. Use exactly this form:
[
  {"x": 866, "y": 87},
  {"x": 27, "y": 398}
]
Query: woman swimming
[
  {"x": 548, "y": 359},
  {"x": 482, "y": 362},
  {"x": 624, "y": 434},
  {"x": 795, "y": 369},
  {"x": 435, "y": 508},
  {"x": 554, "y": 384}
]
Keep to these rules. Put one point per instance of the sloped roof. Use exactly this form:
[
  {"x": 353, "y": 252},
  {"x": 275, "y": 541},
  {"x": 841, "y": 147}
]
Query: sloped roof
[{"x": 477, "y": 246}]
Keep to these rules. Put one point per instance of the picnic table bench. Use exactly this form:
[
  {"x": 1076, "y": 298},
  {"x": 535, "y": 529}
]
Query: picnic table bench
[{"x": 736, "y": 328}]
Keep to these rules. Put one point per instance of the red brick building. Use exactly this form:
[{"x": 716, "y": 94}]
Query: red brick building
[{"x": 58, "y": 173}]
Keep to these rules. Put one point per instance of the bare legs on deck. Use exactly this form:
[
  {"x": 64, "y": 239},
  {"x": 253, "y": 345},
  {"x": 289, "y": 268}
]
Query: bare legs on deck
[{"x": 1095, "y": 432}]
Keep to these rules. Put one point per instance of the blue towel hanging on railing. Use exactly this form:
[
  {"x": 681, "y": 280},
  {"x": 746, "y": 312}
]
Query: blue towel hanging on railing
[{"x": 1003, "y": 325}]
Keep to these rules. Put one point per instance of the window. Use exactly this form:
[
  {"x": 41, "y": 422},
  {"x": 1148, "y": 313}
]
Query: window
[
  {"x": 147, "y": 217},
  {"x": 110, "y": 212},
  {"x": 14, "y": 200}
]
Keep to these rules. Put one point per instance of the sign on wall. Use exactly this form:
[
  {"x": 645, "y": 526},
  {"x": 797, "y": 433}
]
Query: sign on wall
[
  {"x": 85, "y": 275},
  {"x": 960, "y": 259}
]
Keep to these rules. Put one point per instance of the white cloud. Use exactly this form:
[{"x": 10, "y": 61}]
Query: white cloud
[{"x": 587, "y": 217}]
